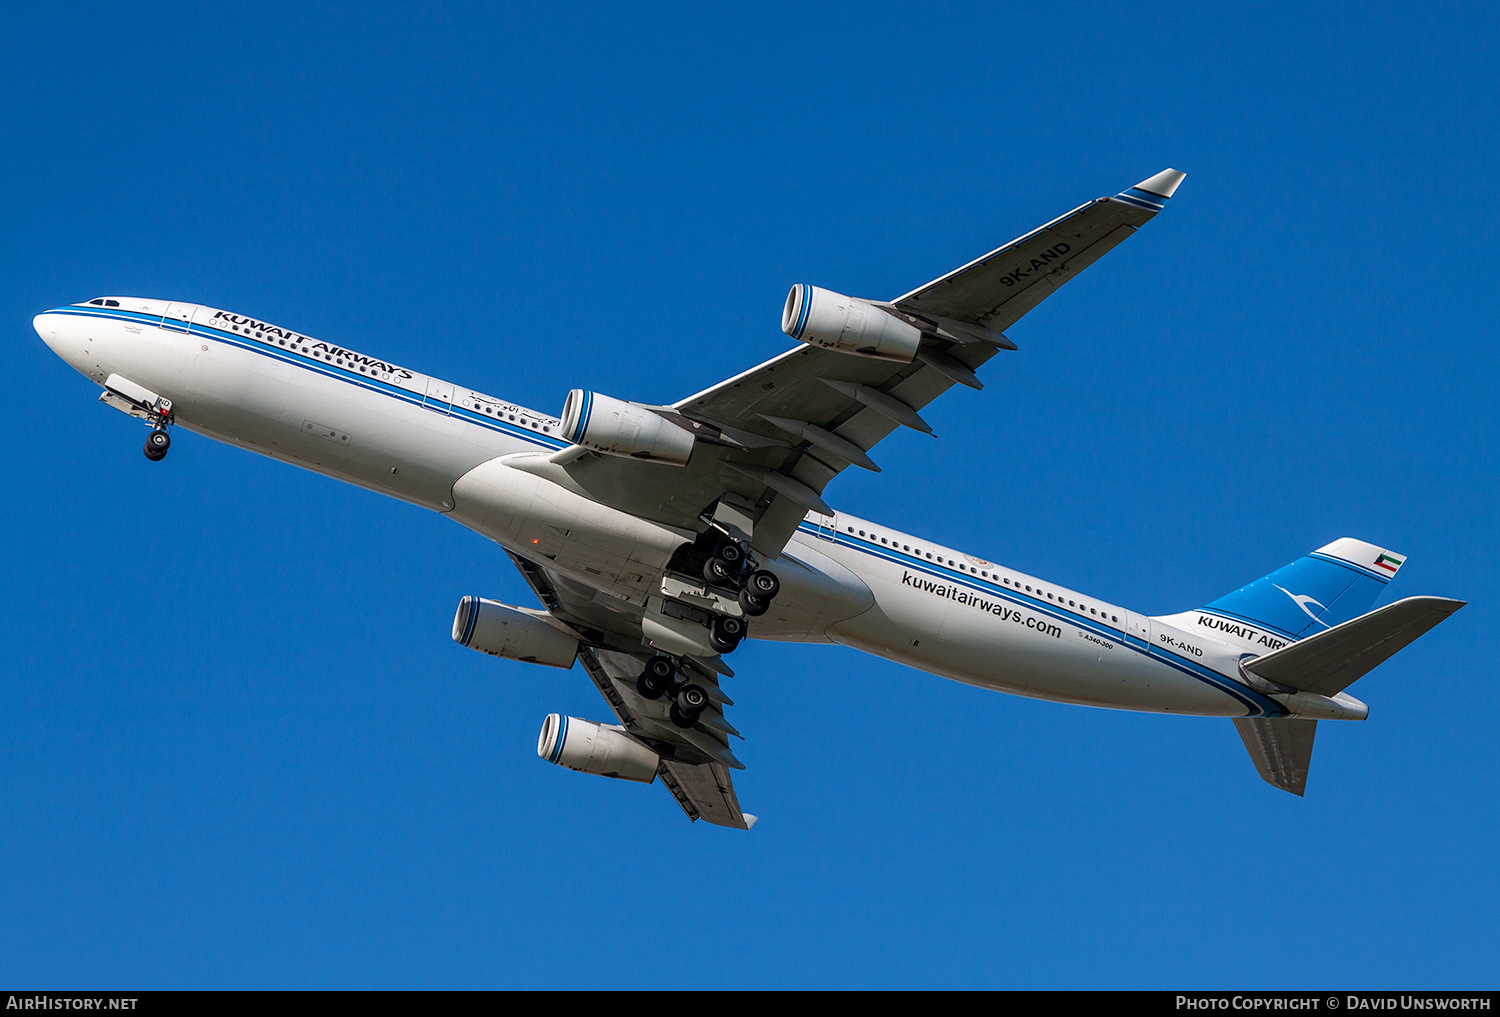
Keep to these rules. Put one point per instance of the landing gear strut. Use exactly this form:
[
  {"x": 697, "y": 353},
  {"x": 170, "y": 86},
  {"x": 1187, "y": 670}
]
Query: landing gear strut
[{"x": 159, "y": 416}]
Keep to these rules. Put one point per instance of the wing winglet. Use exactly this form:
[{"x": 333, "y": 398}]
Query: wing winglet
[{"x": 1163, "y": 184}]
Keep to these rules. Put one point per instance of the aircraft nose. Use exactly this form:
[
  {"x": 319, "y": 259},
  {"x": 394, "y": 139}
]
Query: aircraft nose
[
  {"x": 55, "y": 331},
  {"x": 46, "y": 327}
]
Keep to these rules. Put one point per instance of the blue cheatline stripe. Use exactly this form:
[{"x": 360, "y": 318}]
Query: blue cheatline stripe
[
  {"x": 1386, "y": 578},
  {"x": 806, "y": 306},
  {"x": 1261, "y": 706},
  {"x": 562, "y": 734},
  {"x": 1131, "y": 199},
  {"x": 306, "y": 363}
]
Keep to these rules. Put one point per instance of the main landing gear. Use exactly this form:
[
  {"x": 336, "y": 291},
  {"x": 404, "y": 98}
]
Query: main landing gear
[
  {"x": 662, "y": 678},
  {"x": 731, "y": 589},
  {"x": 727, "y": 567}
]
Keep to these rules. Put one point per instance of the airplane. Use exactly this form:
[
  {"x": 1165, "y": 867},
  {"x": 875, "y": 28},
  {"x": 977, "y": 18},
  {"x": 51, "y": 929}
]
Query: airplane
[{"x": 658, "y": 537}]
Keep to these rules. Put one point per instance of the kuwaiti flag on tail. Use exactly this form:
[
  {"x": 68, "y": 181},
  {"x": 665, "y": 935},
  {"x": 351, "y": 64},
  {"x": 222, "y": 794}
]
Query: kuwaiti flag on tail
[{"x": 1389, "y": 562}]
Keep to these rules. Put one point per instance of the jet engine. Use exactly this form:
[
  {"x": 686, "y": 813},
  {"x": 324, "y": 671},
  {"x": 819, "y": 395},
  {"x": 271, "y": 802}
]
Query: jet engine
[
  {"x": 605, "y": 749},
  {"x": 514, "y": 632},
  {"x": 848, "y": 324},
  {"x": 623, "y": 429}
]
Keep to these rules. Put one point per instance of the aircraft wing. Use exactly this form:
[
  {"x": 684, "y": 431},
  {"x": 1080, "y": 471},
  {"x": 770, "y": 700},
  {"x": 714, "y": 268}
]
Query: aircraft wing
[
  {"x": 996, "y": 290},
  {"x": 772, "y": 438},
  {"x": 695, "y": 762}
]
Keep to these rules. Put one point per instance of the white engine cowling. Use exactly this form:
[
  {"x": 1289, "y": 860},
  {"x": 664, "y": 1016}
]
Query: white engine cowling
[
  {"x": 605, "y": 749},
  {"x": 514, "y": 632},
  {"x": 848, "y": 324},
  {"x": 619, "y": 428}
]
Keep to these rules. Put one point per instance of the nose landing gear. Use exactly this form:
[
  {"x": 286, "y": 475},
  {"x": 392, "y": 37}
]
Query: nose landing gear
[{"x": 157, "y": 443}]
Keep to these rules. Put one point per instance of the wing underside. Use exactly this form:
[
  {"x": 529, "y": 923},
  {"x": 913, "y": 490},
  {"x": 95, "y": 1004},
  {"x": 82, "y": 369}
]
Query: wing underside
[{"x": 695, "y": 762}]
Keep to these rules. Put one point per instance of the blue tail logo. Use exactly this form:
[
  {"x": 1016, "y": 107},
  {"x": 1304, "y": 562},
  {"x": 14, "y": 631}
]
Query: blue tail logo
[{"x": 1334, "y": 584}]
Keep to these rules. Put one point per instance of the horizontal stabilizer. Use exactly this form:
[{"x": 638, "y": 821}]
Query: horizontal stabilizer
[
  {"x": 1331, "y": 661},
  {"x": 1281, "y": 749}
]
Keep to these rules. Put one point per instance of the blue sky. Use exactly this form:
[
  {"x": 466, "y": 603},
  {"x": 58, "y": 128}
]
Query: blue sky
[{"x": 239, "y": 747}]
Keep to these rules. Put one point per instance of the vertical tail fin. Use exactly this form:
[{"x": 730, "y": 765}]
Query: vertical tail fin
[
  {"x": 1280, "y": 749},
  {"x": 1332, "y": 585}
]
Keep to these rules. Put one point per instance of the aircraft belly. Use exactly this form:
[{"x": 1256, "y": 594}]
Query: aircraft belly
[
  {"x": 817, "y": 592},
  {"x": 995, "y": 643}
]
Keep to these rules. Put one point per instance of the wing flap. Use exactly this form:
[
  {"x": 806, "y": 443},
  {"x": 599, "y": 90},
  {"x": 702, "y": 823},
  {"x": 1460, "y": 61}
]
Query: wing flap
[{"x": 705, "y": 792}]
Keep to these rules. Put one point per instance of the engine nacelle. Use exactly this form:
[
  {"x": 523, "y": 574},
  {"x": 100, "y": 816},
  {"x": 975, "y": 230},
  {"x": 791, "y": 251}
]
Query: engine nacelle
[
  {"x": 514, "y": 632},
  {"x": 619, "y": 428},
  {"x": 605, "y": 749},
  {"x": 848, "y": 324}
]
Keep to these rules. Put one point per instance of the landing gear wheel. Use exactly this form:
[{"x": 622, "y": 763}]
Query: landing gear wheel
[
  {"x": 658, "y": 677},
  {"x": 763, "y": 585},
  {"x": 725, "y": 633},
  {"x": 717, "y": 572},
  {"x": 157, "y": 443},
  {"x": 731, "y": 554},
  {"x": 752, "y": 605},
  {"x": 691, "y": 700}
]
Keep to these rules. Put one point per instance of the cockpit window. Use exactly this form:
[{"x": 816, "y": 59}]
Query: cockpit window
[{"x": 101, "y": 302}]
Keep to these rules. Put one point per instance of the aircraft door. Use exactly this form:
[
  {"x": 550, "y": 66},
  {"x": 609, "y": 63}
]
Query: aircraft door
[
  {"x": 827, "y": 525},
  {"x": 439, "y": 396},
  {"x": 1139, "y": 626},
  {"x": 178, "y": 317}
]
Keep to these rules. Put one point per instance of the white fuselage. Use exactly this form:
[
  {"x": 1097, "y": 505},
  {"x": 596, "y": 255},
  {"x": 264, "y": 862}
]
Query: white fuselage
[{"x": 844, "y": 580}]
